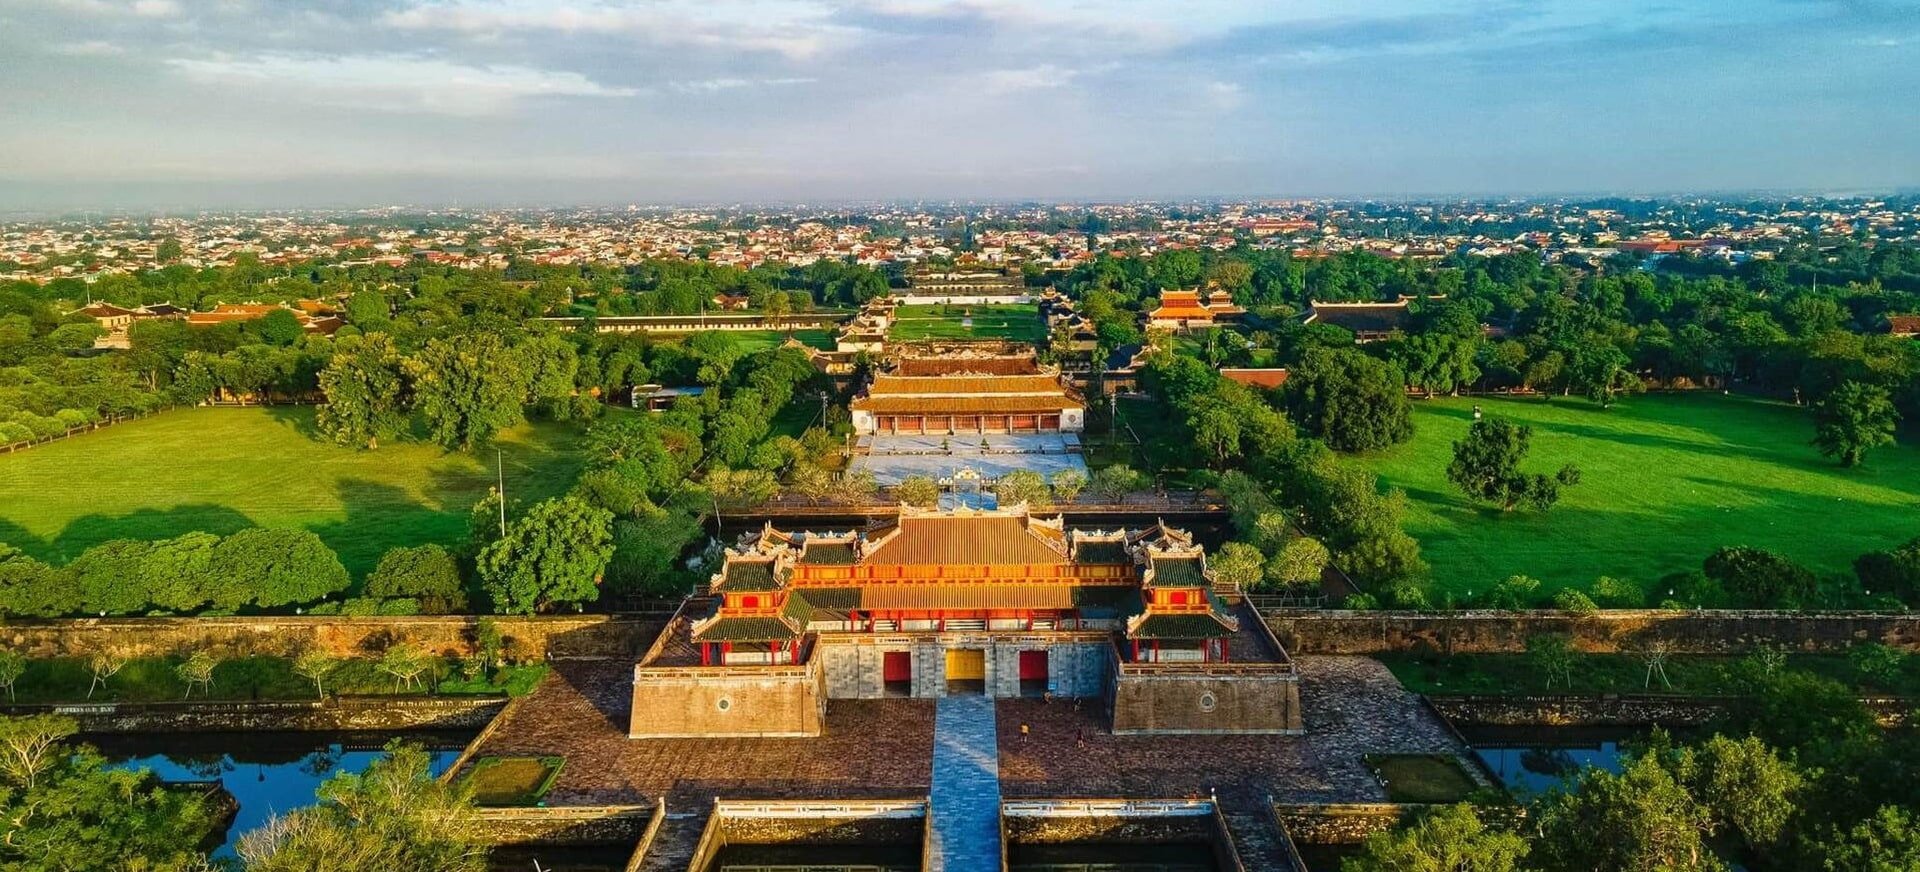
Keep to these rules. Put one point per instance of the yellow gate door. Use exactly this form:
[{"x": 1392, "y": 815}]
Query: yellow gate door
[{"x": 966, "y": 664}]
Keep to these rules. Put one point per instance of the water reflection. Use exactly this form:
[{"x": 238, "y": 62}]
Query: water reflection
[
  {"x": 267, "y": 773},
  {"x": 1101, "y": 857},
  {"x": 1531, "y": 761}
]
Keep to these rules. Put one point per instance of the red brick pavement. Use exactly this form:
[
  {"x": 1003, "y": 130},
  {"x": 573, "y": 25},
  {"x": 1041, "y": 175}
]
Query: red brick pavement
[{"x": 872, "y": 749}]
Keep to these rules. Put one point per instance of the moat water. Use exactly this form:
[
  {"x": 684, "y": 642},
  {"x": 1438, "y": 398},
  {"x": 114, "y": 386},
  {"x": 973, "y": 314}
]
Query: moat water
[{"x": 267, "y": 773}]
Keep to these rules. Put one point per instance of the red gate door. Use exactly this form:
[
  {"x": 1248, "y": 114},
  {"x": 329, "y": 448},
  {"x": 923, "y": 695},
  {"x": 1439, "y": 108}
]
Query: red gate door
[
  {"x": 896, "y": 666},
  {"x": 1033, "y": 666}
]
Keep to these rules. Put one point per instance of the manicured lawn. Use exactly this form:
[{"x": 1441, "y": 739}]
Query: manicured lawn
[
  {"x": 1019, "y": 322},
  {"x": 1422, "y": 778},
  {"x": 224, "y": 469},
  {"x": 750, "y": 341},
  {"x": 512, "y": 781},
  {"x": 1666, "y": 480}
]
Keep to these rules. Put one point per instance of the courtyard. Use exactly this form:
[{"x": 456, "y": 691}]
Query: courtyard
[{"x": 966, "y": 459}]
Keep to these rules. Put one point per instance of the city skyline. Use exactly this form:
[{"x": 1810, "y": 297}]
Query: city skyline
[{"x": 156, "y": 104}]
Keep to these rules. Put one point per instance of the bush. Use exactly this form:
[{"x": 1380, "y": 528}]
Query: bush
[
  {"x": 1760, "y": 579},
  {"x": 1895, "y": 572},
  {"x": 426, "y": 574},
  {"x": 1570, "y": 600},
  {"x": 1514, "y": 592},
  {"x": 1614, "y": 593}
]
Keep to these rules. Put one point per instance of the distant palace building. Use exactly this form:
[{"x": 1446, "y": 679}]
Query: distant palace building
[
  {"x": 1185, "y": 310},
  {"x": 968, "y": 394},
  {"x": 993, "y": 602}
]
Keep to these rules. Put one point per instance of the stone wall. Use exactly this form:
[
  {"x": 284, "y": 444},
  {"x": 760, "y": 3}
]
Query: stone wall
[
  {"x": 1079, "y": 669},
  {"x": 1683, "y": 632},
  {"x": 825, "y": 822},
  {"x": 1611, "y": 709},
  {"x": 748, "y": 701},
  {"x": 348, "y": 714},
  {"x": 529, "y": 637},
  {"x": 568, "y": 825},
  {"x": 1153, "y": 701},
  {"x": 1109, "y": 830},
  {"x": 1343, "y": 824}
]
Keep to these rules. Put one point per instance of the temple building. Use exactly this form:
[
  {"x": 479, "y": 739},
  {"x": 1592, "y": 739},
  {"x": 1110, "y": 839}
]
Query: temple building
[
  {"x": 1185, "y": 310},
  {"x": 968, "y": 393},
  {"x": 992, "y": 602}
]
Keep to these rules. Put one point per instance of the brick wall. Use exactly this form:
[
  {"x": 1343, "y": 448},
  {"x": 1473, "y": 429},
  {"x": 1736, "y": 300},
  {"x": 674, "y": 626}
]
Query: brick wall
[
  {"x": 729, "y": 701},
  {"x": 1196, "y": 702}
]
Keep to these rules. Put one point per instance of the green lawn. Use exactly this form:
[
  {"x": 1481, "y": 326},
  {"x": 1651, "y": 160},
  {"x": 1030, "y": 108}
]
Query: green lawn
[
  {"x": 1019, "y": 322},
  {"x": 1666, "y": 480},
  {"x": 224, "y": 469},
  {"x": 750, "y": 341},
  {"x": 1421, "y": 778}
]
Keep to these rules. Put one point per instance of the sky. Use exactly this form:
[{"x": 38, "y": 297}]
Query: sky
[{"x": 169, "y": 104}]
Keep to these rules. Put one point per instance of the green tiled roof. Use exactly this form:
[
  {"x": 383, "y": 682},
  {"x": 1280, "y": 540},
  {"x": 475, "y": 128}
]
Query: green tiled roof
[
  {"x": 1102, "y": 552},
  {"x": 1177, "y": 572},
  {"x": 746, "y": 630},
  {"x": 748, "y": 576},
  {"x": 828, "y": 553},
  {"x": 1185, "y": 626}
]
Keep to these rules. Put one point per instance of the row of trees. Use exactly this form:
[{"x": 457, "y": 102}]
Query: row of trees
[{"x": 251, "y": 569}]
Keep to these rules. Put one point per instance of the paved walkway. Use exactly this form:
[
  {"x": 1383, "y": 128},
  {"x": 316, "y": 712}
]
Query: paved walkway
[{"x": 965, "y": 802}]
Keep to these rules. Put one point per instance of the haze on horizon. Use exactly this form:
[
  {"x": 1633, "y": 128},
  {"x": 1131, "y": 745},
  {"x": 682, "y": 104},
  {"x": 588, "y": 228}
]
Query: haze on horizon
[{"x": 137, "y": 104}]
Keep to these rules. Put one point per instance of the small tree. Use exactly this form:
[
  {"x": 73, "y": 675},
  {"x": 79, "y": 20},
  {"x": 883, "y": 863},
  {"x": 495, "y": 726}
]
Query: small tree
[
  {"x": 28, "y": 746},
  {"x": 1068, "y": 483},
  {"x": 855, "y": 487},
  {"x": 104, "y": 664},
  {"x": 809, "y": 482},
  {"x": 13, "y": 664},
  {"x": 1553, "y": 656},
  {"x": 1654, "y": 653},
  {"x": 1300, "y": 562},
  {"x": 1117, "y": 481},
  {"x": 1238, "y": 564},
  {"x": 315, "y": 665},
  {"x": 198, "y": 669},
  {"x": 1022, "y": 486},
  {"x": 1450, "y": 838},
  {"x": 427, "y": 574},
  {"x": 1486, "y": 466},
  {"x": 917, "y": 490},
  {"x": 555, "y": 553},
  {"x": 1853, "y": 418},
  {"x": 406, "y": 664}
]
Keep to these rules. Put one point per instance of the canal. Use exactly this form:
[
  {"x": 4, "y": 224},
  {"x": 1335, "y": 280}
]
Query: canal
[{"x": 267, "y": 773}]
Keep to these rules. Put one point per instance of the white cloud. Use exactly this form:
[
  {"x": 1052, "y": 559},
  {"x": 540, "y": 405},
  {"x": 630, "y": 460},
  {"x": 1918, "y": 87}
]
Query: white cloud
[
  {"x": 92, "y": 48},
  {"x": 794, "y": 28},
  {"x": 1223, "y": 96},
  {"x": 708, "y": 86},
  {"x": 155, "y": 8},
  {"x": 1000, "y": 82},
  {"x": 394, "y": 82}
]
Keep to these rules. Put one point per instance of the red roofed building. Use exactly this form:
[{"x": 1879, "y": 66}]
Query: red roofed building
[
  {"x": 325, "y": 325},
  {"x": 1903, "y": 326},
  {"x": 965, "y": 602},
  {"x": 960, "y": 394},
  {"x": 1271, "y": 377}
]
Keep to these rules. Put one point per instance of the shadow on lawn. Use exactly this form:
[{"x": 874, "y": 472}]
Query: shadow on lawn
[
  {"x": 299, "y": 418},
  {"x": 380, "y": 516},
  {"x": 89, "y": 530}
]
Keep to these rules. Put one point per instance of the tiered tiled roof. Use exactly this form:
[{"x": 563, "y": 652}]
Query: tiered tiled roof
[{"x": 968, "y": 538}]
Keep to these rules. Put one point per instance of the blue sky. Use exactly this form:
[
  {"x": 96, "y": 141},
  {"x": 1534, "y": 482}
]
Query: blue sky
[{"x": 190, "y": 103}]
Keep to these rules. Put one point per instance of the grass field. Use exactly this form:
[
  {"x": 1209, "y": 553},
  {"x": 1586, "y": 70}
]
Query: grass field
[
  {"x": 750, "y": 341},
  {"x": 1018, "y": 322},
  {"x": 1667, "y": 479},
  {"x": 224, "y": 469}
]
